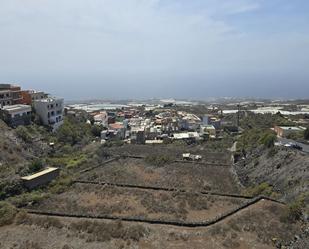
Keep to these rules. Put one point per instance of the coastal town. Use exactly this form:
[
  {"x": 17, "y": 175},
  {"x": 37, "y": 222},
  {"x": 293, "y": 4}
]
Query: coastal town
[
  {"x": 150, "y": 167},
  {"x": 135, "y": 123}
]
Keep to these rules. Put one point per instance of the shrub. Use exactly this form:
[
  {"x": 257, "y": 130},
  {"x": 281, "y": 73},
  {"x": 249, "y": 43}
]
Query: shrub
[
  {"x": 293, "y": 211},
  {"x": 96, "y": 130},
  {"x": 262, "y": 189},
  {"x": 27, "y": 198},
  {"x": 116, "y": 143},
  {"x": 23, "y": 133},
  {"x": 268, "y": 140},
  {"x": 10, "y": 188},
  {"x": 61, "y": 185},
  {"x": 7, "y": 213},
  {"x": 73, "y": 131},
  {"x": 253, "y": 138},
  {"x": 36, "y": 165},
  {"x": 158, "y": 160}
]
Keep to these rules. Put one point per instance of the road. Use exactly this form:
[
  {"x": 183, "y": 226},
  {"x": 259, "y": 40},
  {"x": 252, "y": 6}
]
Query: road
[{"x": 285, "y": 141}]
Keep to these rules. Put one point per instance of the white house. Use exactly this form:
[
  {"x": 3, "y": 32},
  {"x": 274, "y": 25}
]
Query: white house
[{"x": 50, "y": 111}]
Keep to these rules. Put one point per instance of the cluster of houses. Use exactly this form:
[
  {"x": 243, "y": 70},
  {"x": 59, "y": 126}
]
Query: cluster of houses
[
  {"x": 17, "y": 107},
  {"x": 138, "y": 125}
]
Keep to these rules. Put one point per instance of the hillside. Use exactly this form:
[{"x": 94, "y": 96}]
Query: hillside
[
  {"x": 16, "y": 154},
  {"x": 285, "y": 170}
]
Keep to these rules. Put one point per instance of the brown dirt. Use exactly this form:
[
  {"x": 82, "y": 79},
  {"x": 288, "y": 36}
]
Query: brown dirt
[
  {"x": 176, "y": 175},
  {"x": 107, "y": 200},
  {"x": 253, "y": 228}
]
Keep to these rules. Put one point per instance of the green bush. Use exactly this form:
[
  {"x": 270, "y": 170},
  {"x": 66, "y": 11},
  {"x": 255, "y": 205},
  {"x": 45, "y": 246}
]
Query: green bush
[
  {"x": 10, "y": 188},
  {"x": 96, "y": 130},
  {"x": 254, "y": 138},
  {"x": 23, "y": 133},
  {"x": 61, "y": 185},
  {"x": 36, "y": 166},
  {"x": 74, "y": 131},
  {"x": 268, "y": 140},
  {"x": 262, "y": 189},
  {"x": 7, "y": 213}
]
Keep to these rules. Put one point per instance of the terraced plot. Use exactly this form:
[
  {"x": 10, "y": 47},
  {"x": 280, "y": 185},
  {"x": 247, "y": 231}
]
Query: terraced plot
[
  {"x": 98, "y": 200},
  {"x": 195, "y": 177}
]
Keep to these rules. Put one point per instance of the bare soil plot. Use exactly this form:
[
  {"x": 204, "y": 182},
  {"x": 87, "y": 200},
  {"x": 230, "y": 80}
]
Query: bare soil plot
[
  {"x": 174, "y": 175},
  {"x": 126, "y": 202},
  {"x": 171, "y": 150},
  {"x": 253, "y": 228}
]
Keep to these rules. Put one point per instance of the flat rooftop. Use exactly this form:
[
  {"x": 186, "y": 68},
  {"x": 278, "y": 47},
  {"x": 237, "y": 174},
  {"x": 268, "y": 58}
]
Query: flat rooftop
[
  {"x": 49, "y": 100},
  {"x": 16, "y": 108},
  {"x": 41, "y": 173}
]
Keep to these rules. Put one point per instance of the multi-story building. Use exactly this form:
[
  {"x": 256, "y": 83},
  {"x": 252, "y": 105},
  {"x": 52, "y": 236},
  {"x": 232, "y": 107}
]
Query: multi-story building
[
  {"x": 285, "y": 131},
  {"x": 15, "y": 115},
  {"x": 50, "y": 110},
  {"x": 11, "y": 94},
  {"x": 29, "y": 96},
  {"x": 5, "y": 98}
]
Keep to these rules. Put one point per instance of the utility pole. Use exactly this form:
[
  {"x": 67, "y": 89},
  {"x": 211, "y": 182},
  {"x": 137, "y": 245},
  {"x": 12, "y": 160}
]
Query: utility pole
[{"x": 238, "y": 113}]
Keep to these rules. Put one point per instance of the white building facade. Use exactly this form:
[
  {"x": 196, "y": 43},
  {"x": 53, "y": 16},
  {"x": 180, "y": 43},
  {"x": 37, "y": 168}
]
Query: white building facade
[{"x": 50, "y": 111}]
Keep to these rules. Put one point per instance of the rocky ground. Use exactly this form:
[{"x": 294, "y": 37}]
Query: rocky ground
[{"x": 286, "y": 170}]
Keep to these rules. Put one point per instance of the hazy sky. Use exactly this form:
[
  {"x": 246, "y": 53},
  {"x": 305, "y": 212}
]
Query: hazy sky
[{"x": 156, "y": 48}]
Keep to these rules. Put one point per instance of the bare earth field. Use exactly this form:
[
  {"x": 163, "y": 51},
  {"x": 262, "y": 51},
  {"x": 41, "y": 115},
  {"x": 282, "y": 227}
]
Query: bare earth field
[
  {"x": 244, "y": 230},
  {"x": 195, "y": 177},
  {"x": 100, "y": 215},
  {"x": 126, "y": 202},
  {"x": 173, "y": 151}
]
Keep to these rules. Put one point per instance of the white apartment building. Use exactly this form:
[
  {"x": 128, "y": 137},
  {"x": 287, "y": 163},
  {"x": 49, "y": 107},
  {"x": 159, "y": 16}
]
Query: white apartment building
[{"x": 50, "y": 111}]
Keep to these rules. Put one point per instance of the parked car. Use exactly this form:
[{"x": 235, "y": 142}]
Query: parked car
[{"x": 293, "y": 146}]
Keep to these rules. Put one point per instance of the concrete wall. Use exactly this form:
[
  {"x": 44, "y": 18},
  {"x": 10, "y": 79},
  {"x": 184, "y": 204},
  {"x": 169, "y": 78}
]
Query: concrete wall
[{"x": 41, "y": 180}]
